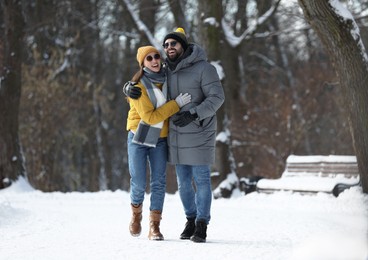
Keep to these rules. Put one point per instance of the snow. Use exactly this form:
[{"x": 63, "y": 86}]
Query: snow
[
  {"x": 222, "y": 137},
  {"x": 38, "y": 225},
  {"x": 345, "y": 14},
  {"x": 321, "y": 158},
  {"x": 219, "y": 69},
  {"x": 234, "y": 40},
  {"x": 305, "y": 183},
  {"x": 230, "y": 181},
  {"x": 314, "y": 180},
  {"x": 141, "y": 26},
  {"x": 211, "y": 21}
]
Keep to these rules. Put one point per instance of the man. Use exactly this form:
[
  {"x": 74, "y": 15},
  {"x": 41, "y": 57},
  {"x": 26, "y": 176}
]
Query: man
[{"x": 192, "y": 131}]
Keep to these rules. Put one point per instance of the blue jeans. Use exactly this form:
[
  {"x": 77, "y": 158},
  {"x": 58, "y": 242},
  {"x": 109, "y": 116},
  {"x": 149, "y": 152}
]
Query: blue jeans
[
  {"x": 157, "y": 158},
  {"x": 196, "y": 200}
]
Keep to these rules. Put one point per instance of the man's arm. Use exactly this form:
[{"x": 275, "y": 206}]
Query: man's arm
[{"x": 213, "y": 91}]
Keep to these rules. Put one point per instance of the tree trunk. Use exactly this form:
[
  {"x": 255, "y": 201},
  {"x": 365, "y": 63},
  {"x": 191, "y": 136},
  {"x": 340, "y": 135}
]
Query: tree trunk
[
  {"x": 11, "y": 162},
  {"x": 212, "y": 40},
  {"x": 349, "y": 59},
  {"x": 177, "y": 9}
]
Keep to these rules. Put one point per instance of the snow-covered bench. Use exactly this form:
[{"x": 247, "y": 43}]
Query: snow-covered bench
[{"x": 310, "y": 174}]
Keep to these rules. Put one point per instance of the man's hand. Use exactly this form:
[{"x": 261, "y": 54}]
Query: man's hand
[
  {"x": 132, "y": 91},
  {"x": 184, "y": 118}
]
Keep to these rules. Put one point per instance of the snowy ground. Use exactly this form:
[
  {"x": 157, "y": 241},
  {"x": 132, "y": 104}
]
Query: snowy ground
[{"x": 37, "y": 225}]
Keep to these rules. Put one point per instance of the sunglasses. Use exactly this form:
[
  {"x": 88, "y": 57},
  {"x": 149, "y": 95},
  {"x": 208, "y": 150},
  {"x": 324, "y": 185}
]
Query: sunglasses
[
  {"x": 156, "y": 57},
  {"x": 171, "y": 44}
]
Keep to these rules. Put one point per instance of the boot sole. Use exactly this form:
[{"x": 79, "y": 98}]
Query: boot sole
[
  {"x": 135, "y": 235},
  {"x": 196, "y": 239},
  {"x": 156, "y": 238}
]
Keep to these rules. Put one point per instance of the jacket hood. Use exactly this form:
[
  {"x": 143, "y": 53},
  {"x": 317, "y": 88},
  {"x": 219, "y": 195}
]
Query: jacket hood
[{"x": 193, "y": 54}]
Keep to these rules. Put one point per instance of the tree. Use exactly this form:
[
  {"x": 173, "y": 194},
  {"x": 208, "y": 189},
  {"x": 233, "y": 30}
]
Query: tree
[
  {"x": 339, "y": 34},
  {"x": 77, "y": 55},
  {"x": 213, "y": 42},
  {"x": 227, "y": 46},
  {"x": 11, "y": 161}
]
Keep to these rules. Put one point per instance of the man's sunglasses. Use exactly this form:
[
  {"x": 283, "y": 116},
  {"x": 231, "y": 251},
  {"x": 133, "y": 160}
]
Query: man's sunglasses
[
  {"x": 171, "y": 44},
  {"x": 156, "y": 57}
]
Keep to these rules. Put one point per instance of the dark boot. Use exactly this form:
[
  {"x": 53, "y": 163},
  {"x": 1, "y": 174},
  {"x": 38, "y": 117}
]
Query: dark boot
[
  {"x": 189, "y": 229},
  {"x": 135, "y": 227},
  {"x": 154, "y": 229},
  {"x": 200, "y": 232}
]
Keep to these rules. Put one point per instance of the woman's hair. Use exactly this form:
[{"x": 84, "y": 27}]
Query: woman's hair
[
  {"x": 136, "y": 78},
  {"x": 138, "y": 75}
]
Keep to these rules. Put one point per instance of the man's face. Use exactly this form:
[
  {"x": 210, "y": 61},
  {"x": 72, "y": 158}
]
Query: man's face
[{"x": 173, "y": 49}]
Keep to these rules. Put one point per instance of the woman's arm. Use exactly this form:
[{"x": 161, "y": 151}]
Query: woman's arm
[{"x": 148, "y": 113}]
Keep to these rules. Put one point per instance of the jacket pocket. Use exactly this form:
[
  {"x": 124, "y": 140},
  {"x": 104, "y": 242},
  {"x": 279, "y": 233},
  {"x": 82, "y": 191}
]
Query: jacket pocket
[{"x": 208, "y": 123}]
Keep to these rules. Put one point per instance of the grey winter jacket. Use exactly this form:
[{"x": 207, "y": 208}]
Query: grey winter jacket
[{"x": 194, "y": 144}]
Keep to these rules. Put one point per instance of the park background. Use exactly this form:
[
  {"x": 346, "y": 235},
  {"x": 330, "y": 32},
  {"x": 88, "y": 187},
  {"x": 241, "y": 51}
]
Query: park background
[{"x": 282, "y": 94}]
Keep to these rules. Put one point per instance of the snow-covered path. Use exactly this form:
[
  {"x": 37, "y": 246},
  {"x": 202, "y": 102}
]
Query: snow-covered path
[{"x": 37, "y": 225}]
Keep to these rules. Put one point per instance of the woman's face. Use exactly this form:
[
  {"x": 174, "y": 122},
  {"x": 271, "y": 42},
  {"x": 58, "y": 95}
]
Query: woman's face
[{"x": 153, "y": 61}]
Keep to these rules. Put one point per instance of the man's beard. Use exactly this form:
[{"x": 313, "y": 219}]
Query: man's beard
[{"x": 175, "y": 57}]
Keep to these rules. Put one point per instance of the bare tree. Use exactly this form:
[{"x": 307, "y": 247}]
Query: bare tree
[
  {"x": 144, "y": 19},
  {"x": 77, "y": 55},
  {"x": 10, "y": 91},
  {"x": 210, "y": 15},
  {"x": 228, "y": 44},
  {"x": 340, "y": 36},
  {"x": 177, "y": 8}
]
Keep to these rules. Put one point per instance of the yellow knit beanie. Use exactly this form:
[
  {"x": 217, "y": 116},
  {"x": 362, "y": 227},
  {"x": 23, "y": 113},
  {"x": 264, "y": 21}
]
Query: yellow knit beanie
[{"x": 142, "y": 53}]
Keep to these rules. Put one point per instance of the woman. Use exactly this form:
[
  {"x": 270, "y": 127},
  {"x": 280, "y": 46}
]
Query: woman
[{"x": 147, "y": 138}]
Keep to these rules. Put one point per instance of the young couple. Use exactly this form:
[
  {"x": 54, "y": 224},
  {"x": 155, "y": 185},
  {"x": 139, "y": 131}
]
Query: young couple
[{"x": 189, "y": 92}]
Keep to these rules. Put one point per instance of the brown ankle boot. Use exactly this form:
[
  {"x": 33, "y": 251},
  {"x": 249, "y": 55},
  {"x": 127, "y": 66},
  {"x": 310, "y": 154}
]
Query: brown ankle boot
[
  {"x": 135, "y": 227},
  {"x": 154, "y": 230}
]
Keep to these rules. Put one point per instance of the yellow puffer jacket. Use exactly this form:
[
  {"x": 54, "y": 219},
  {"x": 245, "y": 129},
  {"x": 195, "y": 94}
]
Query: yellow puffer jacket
[{"x": 142, "y": 108}]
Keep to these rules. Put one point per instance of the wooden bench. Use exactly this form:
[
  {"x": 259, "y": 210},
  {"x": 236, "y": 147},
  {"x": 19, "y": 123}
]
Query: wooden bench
[{"x": 311, "y": 174}]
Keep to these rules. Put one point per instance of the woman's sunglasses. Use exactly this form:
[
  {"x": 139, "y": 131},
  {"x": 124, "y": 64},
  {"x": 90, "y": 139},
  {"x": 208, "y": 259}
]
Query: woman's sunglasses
[
  {"x": 156, "y": 57},
  {"x": 171, "y": 44}
]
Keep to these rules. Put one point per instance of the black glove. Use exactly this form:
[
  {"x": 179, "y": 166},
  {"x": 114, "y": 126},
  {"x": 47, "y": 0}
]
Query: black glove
[
  {"x": 184, "y": 118},
  {"x": 132, "y": 91}
]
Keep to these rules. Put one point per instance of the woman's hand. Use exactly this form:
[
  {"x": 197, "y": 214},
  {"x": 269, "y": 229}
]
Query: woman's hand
[{"x": 183, "y": 99}]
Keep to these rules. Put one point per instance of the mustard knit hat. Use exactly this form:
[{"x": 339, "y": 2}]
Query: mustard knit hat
[
  {"x": 178, "y": 35},
  {"x": 142, "y": 53}
]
